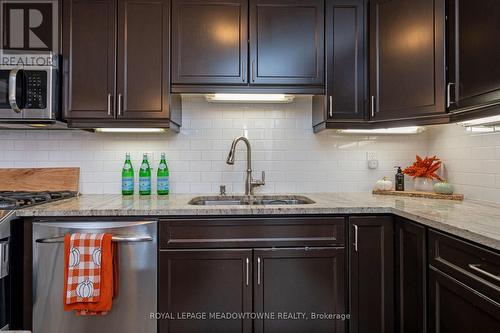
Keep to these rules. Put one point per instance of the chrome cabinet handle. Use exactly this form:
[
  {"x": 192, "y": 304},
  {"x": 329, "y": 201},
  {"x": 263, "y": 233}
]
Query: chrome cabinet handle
[
  {"x": 258, "y": 271},
  {"x": 109, "y": 104},
  {"x": 119, "y": 104},
  {"x": 355, "y": 238},
  {"x": 253, "y": 70},
  {"x": 482, "y": 271},
  {"x": 4, "y": 259},
  {"x": 243, "y": 71},
  {"x": 448, "y": 94},
  {"x": 248, "y": 262},
  {"x": 373, "y": 106},
  {"x": 115, "y": 238},
  {"x": 12, "y": 90},
  {"x": 331, "y": 106}
]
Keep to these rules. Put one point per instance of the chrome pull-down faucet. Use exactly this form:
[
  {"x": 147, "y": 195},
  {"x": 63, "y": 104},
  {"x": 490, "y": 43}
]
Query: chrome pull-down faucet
[{"x": 250, "y": 183}]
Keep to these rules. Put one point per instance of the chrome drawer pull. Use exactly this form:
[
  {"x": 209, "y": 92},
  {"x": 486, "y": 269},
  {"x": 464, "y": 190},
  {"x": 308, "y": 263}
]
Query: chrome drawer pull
[
  {"x": 117, "y": 238},
  {"x": 248, "y": 262},
  {"x": 356, "y": 238},
  {"x": 258, "y": 271},
  {"x": 476, "y": 268}
]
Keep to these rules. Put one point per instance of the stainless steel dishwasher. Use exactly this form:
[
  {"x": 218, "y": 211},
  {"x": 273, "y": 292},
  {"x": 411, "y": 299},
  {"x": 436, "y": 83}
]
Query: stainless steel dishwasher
[{"x": 137, "y": 295}]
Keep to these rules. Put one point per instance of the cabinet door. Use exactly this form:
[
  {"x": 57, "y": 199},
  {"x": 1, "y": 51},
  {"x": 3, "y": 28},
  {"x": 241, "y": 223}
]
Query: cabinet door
[
  {"x": 457, "y": 308},
  {"x": 143, "y": 59},
  {"x": 371, "y": 274},
  {"x": 345, "y": 63},
  {"x": 407, "y": 51},
  {"x": 89, "y": 58},
  {"x": 307, "y": 281},
  {"x": 474, "y": 53},
  {"x": 411, "y": 277},
  {"x": 204, "y": 282},
  {"x": 209, "y": 41},
  {"x": 287, "y": 42}
]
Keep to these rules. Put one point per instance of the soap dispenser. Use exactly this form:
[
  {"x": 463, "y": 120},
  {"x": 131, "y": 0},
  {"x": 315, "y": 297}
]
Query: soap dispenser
[{"x": 400, "y": 180}]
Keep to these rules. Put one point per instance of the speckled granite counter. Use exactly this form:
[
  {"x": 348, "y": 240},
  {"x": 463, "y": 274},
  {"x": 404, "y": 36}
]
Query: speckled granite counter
[{"x": 472, "y": 220}]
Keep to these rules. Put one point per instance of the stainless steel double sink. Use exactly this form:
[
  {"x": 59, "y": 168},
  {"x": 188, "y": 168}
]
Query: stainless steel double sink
[{"x": 257, "y": 200}]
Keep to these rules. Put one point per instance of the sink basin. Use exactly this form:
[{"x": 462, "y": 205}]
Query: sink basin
[{"x": 251, "y": 200}]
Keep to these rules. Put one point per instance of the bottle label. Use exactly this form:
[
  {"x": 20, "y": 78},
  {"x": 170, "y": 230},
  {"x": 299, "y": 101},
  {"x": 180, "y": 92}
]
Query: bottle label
[
  {"x": 127, "y": 184},
  {"x": 127, "y": 166},
  {"x": 162, "y": 166},
  {"x": 163, "y": 184},
  {"x": 144, "y": 184},
  {"x": 144, "y": 166}
]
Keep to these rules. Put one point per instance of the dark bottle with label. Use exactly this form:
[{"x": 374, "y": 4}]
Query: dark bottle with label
[{"x": 400, "y": 180}]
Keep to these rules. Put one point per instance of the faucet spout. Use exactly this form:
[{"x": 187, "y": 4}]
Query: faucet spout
[{"x": 249, "y": 182}]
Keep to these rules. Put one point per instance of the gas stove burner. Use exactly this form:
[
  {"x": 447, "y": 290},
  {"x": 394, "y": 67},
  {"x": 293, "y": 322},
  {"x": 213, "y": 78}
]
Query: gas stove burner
[
  {"x": 7, "y": 203},
  {"x": 19, "y": 199}
]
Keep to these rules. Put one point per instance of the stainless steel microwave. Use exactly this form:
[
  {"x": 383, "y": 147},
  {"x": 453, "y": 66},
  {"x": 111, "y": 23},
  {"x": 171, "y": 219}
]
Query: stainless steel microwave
[{"x": 29, "y": 87}]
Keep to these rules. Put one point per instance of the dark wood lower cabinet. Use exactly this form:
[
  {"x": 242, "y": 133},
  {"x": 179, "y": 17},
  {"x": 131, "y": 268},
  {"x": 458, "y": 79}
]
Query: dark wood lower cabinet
[
  {"x": 205, "y": 281},
  {"x": 411, "y": 277},
  {"x": 457, "y": 308},
  {"x": 371, "y": 274},
  {"x": 308, "y": 282},
  {"x": 390, "y": 275}
]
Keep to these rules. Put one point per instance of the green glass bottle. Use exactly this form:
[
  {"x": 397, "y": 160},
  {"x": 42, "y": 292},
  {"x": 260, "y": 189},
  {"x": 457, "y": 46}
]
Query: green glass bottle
[
  {"x": 145, "y": 177},
  {"x": 162, "y": 175},
  {"x": 127, "y": 177}
]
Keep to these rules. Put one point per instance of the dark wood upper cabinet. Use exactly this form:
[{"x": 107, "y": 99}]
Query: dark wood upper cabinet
[
  {"x": 299, "y": 281},
  {"x": 344, "y": 100},
  {"x": 407, "y": 59},
  {"x": 205, "y": 281},
  {"x": 89, "y": 53},
  {"x": 116, "y": 64},
  {"x": 287, "y": 42},
  {"x": 371, "y": 274},
  {"x": 143, "y": 59},
  {"x": 209, "y": 42},
  {"x": 345, "y": 59},
  {"x": 411, "y": 277},
  {"x": 474, "y": 50}
]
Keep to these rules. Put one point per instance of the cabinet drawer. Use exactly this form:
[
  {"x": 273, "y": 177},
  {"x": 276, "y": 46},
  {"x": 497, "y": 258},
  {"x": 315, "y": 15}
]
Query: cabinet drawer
[
  {"x": 251, "y": 232},
  {"x": 475, "y": 266}
]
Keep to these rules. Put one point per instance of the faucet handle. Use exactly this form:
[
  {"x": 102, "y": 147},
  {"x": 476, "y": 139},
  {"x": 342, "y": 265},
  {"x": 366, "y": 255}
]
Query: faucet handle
[{"x": 263, "y": 178}]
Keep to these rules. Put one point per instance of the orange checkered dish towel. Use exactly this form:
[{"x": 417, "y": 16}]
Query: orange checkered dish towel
[{"x": 88, "y": 273}]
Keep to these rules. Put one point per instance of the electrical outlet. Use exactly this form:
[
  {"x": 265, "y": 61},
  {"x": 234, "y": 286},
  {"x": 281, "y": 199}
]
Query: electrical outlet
[{"x": 371, "y": 156}]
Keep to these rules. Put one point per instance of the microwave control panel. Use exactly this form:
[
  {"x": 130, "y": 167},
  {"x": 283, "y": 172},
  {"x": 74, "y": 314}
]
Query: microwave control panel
[{"x": 36, "y": 89}]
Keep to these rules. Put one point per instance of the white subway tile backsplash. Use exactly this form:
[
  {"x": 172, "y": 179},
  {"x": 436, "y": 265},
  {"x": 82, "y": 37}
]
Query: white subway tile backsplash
[
  {"x": 283, "y": 143},
  {"x": 471, "y": 160}
]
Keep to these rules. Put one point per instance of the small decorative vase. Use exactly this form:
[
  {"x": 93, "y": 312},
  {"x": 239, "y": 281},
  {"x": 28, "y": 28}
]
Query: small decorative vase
[
  {"x": 444, "y": 188},
  {"x": 423, "y": 184}
]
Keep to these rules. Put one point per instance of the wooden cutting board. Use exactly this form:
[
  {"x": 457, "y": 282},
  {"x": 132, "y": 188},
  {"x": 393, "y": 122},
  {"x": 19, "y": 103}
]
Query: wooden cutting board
[
  {"x": 415, "y": 194},
  {"x": 40, "y": 179}
]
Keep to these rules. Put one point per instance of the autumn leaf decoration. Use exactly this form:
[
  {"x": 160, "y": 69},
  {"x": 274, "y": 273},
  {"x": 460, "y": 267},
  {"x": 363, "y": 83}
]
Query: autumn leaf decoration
[{"x": 424, "y": 167}]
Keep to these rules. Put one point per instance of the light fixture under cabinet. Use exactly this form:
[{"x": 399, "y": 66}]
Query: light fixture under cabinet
[
  {"x": 481, "y": 121},
  {"x": 394, "y": 130},
  {"x": 250, "y": 98},
  {"x": 130, "y": 130}
]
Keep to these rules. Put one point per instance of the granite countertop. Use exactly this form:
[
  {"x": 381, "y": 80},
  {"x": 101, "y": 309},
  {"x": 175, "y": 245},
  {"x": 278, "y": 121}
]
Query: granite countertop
[{"x": 472, "y": 220}]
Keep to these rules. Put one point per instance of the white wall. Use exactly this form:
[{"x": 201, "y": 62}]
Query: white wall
[
  {"x": 471, "y": 161},
  {"x": 295, "y": 159}
]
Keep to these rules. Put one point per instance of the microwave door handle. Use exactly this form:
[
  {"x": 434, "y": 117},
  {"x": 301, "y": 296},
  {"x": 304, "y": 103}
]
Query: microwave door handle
[{"x": 12, "y": 90}]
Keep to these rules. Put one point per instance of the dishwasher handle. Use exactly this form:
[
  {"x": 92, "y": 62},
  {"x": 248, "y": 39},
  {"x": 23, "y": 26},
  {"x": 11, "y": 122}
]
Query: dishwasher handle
[{"x": 115, "y": 238}]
